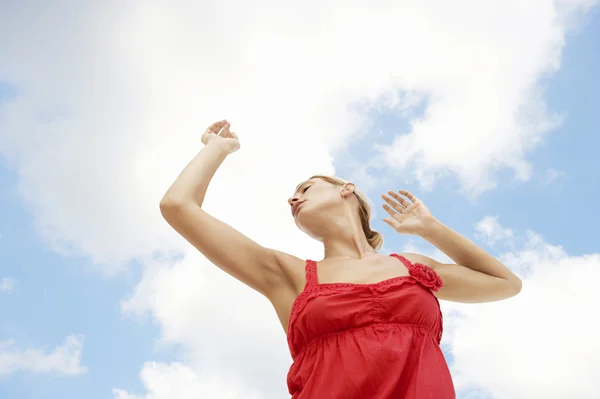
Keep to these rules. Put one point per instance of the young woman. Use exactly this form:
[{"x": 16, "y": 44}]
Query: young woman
[{"x": 360, "y": 325}]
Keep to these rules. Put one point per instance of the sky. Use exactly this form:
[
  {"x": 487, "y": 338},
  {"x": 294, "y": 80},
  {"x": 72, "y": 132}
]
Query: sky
[{"x": 485, "y": 110}]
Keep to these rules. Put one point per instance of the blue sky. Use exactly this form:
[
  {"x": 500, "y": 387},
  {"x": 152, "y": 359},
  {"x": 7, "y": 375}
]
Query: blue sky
[
  {"x": 562, "y": 211},
  {"x": 55, "y": 296}
]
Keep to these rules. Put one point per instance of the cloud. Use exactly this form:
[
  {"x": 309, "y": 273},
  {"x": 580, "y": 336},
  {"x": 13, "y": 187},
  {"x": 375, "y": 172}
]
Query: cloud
[
  {"x": 7, "y": 284},
  {"x": 175, "y": 380},
  {"x": 491, "y": 232},
  {"x": 123, "y": 92},
  {"x": 540, "y": 344},
  {"x": 227, "y": 329},
  {"x": 64, "y": 359},
  {"x": 111, "y": 100},
  {"x": 486, "y": 109}
]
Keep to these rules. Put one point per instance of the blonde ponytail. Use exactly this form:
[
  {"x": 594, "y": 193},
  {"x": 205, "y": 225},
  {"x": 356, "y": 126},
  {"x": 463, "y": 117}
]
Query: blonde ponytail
[{"x": 375, "y": 239}]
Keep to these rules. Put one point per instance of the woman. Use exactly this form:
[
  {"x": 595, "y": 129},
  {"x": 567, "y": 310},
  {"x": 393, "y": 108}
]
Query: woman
[{"x": 360, "y": 325}]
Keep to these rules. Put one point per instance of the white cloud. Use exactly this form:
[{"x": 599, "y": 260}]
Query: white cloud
[
  {"x": 112, "y": 100},
  {"x": 64, "y": 359},
  {"x": 491, "y": 232},
  {"x": 166, "y": 381},
  {"x": 7, "y": 284},
  {"x": 227, "y": 329},
  {"x": 102, "y": 125},
  {"x": 486, "y": 110},
  {"x": 540, "y": 344}
]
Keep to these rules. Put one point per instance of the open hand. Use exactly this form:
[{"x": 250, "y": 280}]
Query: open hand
[
  {"x": 218, "y": 133},
  {"x": 408, "y": 215}
]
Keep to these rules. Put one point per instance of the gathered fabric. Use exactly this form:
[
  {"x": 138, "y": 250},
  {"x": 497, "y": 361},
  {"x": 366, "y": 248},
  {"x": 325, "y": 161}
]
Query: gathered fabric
[{"x": 362, "y": 341}]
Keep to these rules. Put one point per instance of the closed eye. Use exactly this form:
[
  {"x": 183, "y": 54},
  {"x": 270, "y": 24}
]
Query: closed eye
[{"x": 305, "y": 189}]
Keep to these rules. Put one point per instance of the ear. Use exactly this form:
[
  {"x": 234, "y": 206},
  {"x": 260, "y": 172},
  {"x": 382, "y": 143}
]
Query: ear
[{"x": 348, "y": 189}]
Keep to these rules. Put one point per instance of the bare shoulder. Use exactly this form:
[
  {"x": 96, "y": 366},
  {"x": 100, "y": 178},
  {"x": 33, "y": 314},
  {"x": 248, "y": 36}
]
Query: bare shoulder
[
  {"x": 422, "y": 259},
  {"x": 466, "y": 285}
]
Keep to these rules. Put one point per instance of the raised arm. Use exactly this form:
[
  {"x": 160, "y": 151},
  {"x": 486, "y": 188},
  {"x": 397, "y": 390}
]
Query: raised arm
[
  {"x": 476, "y": 277},
  {"x": 254, "y": 265}
]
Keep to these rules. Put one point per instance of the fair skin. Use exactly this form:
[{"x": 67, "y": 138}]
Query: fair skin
[{"x": 328, "y": 213}]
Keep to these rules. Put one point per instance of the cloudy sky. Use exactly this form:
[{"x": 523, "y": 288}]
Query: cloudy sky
[{"x": 487, "y": 110}]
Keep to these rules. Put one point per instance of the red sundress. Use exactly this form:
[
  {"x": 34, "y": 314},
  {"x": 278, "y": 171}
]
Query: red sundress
[{"x": 369, "y": 341}]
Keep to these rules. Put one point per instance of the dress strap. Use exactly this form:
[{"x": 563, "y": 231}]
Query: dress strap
[
  {"x": 423, "y": 274},
  {"x": 408, "y": 264},
  {"x": 311, "y": 274}
]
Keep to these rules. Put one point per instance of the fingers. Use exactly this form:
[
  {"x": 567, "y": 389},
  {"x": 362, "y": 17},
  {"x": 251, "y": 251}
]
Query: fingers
[
  {"x": 225, "y": 130},
  {"x": 400, "y": 198},
  {"x": 221, "y": 129},
  {"x": 393, "y": 223},
  {"x": 391, "y": 211},
  {"x": 396, "y": 203},
  {"x": 391, "y": 204},
  {"x": 408, "y": 195},
  {"x": 217, "y": 126},
  {"x": 399, "y": 205}
]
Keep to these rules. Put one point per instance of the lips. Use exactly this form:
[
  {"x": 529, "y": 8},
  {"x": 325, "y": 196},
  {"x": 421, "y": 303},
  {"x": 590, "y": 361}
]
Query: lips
[{"x": 295, "y": 207}]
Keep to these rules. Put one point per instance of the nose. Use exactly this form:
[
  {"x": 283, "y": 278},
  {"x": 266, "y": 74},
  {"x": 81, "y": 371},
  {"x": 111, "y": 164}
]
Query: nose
[{"x": 291, "y": 200}]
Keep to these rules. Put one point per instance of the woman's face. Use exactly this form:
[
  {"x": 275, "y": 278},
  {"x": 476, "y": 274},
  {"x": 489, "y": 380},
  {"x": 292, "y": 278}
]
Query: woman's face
[{"x": 315, "y": 201}]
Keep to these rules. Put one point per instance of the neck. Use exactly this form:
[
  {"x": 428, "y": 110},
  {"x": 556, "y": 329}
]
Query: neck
[{"x": 347, "y": 240}]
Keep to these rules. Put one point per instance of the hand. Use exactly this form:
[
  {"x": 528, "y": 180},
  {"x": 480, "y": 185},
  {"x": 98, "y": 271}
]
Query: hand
[
  {"x": 408, "y": 214},
  {"x": 218, "y": 133}
]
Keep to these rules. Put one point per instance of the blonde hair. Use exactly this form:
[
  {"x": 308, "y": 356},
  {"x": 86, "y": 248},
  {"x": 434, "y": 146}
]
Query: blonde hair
[{"x": 374, "y": 238}]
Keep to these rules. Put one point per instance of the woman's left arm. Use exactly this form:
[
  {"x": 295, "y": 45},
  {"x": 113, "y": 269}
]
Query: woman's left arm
[{"x": 476, "y": 277}]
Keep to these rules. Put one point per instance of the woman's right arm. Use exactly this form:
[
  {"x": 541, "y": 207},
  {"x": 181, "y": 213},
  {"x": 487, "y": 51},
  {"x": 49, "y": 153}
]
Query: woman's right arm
[{"x": 254, "y": 265}]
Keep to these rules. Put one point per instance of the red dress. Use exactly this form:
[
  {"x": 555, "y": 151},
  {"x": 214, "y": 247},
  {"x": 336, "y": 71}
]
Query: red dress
[{"x": 369, "y": 341}]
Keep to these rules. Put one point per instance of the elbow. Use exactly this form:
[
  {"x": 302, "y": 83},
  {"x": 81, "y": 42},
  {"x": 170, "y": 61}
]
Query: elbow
[
  {"x": 515, "y": 286},
  {"x": 519, "y": 285},
  {"x": 173, "y": 208},
  {"x": 169, "y": 205}
]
